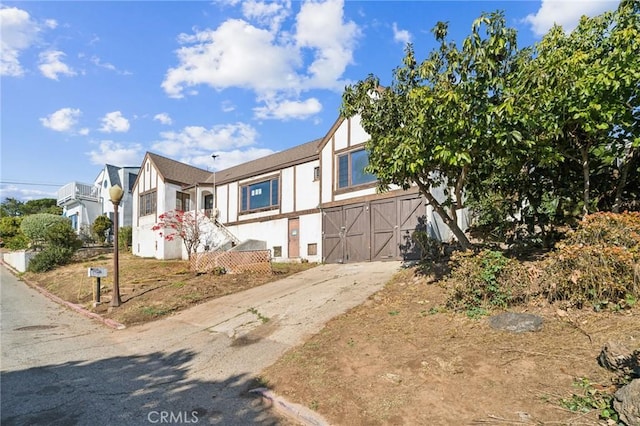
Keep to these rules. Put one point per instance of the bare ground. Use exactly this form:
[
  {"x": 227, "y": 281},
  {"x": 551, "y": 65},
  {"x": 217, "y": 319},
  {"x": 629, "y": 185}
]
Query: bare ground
[{"x": 401, "y": 359}]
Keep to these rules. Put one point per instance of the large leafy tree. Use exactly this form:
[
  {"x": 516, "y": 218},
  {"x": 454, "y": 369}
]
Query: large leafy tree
[
  {"x": 442, "y": 122},
  {"x": 580, "y": 94}
]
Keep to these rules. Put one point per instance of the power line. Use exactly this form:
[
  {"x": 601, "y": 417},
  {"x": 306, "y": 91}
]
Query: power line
[{"x": 15, "y": 182}]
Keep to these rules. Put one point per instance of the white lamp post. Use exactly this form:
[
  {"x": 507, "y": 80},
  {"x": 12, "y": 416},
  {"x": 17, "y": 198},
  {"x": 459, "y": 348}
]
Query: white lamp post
[{"x": 115, "y": 193}]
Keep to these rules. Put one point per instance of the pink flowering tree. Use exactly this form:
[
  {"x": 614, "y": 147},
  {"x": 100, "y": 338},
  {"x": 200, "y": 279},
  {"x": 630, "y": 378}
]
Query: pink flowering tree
[{"x": 184, "y": 225}]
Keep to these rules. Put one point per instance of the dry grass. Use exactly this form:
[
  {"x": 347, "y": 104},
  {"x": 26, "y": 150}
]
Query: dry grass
[{"x": 149, "y": 288}]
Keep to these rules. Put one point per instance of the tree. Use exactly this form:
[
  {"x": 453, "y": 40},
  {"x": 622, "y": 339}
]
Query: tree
[
  {"x": 11, "y": 207},
  {"x": 10, "y": 233},
  {"x": 440, "y": 122},
  {"x": 184, "y": 225},
  {"x": 580, "y": 92},
  {"x": 99, "y": 227}
]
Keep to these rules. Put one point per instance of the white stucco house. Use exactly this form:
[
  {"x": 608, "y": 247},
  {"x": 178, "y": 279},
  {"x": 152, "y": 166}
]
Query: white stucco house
[
  {"x": 313, "y": 201},
  {"x": 82, "y": 203}
]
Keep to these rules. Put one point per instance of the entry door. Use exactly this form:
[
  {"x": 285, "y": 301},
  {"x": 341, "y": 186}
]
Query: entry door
[{"x": 294, "y": 238}]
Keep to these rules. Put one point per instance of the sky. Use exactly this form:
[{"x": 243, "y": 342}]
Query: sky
[{"x": 88, "y": 83}]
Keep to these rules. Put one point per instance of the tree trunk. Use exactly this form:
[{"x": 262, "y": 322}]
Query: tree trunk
[
  {"x": 448, "y": 220},
  {"x": 622, "y": 182},
  {"x": 584, "y": 150}
]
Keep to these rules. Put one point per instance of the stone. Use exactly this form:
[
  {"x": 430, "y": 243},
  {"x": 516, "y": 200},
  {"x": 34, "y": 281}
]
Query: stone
[
  {"x": 516, "y": 322},
  {"x": 626, "y": 402},
  {"x": 617, "y": 357}
]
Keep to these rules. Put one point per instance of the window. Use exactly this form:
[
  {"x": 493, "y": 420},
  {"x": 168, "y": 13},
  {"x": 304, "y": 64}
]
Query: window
[
  {"x": 183, "y": 201},
  {"x": 277, "y": 251},
  {"x": 312, "y": 249},
  {"x": 261, "y": 195},
  {"x": 147, "y": 203},
  {"x": 316, "y": 173},
  {"x": 351, "y": 167}
]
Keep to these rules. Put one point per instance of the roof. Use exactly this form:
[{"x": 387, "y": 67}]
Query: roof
[
  {"x": 296, "y": 155},
  {"x": 114, "y": 177},
  {"x": 176, "y": 172}
]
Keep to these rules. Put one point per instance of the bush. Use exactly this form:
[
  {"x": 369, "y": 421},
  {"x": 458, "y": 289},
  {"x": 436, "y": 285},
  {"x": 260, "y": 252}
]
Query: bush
[
  {"x": 125, "y": 237},
  {"x": 100, "y": 227},
  {"x": 35, "y": 227},
  {"x": 486, "y": 280},
  {"x": 599, "y": 264},
  {"x": 49, "y": 258},
  {"x": 61, "y": 234}
]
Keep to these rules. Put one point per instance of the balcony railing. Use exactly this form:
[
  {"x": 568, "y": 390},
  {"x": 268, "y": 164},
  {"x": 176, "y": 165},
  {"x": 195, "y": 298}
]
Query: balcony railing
[{"x": 75, "y": 191}]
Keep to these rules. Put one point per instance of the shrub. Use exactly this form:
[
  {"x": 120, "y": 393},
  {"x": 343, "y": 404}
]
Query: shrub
[
  {"x": 35, "y": 227},
  {"x": 125, "y": 237},
  {"x": 100, "y": 227},
  {"x": 599, "y": 265},
  {"x": 61, "y": 234},
  {"x": 49, "y": 258},
  {"x": 486, "y": 280}
]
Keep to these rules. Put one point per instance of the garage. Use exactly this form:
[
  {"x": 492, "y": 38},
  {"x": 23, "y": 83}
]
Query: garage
[{"x": 372, "y": 230}]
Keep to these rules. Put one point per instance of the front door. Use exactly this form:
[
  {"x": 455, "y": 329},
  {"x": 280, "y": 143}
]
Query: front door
[{"x": 294, "y": 238}]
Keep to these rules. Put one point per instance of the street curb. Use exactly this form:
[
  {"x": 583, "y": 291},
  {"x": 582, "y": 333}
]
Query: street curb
[
  {"x": 106, "y": 321},
  {"x": 293, "y": 411}
]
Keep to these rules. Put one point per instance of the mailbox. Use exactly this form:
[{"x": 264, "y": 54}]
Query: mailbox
[{"x": 97, "y": 272}]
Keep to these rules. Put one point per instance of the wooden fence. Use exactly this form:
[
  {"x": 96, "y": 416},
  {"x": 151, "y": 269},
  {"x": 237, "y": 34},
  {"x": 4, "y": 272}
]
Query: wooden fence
[{"x": 233, "y": 262}]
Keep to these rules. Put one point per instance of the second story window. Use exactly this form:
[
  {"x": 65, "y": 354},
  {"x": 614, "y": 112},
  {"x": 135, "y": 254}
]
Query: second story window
[
  {"x": 183, "y": 201},
  {"x": 351, "y": 167},
  {"x": 260, "y": 195},
  {"x": 147, "y": 203}
]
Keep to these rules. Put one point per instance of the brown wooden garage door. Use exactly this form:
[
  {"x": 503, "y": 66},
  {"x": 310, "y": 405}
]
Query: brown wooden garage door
[{"x": 377, "y": 230}]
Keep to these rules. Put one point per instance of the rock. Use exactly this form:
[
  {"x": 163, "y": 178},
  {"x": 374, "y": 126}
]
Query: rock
[
  {"x": 615, "y": 356},
  {"x": 516, "y": 322},
  {"x": 626, "y": 402}
]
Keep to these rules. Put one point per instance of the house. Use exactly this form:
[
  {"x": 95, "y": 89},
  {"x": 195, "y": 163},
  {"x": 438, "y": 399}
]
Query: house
[
  {"x": 273, "y": 199},
  {"x": 82, "y": 203},
  {"x": 313, "y": 201}
]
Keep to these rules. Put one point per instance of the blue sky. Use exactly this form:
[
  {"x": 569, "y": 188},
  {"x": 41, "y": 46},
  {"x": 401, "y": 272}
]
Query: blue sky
[{"x": 87, "y": 83}]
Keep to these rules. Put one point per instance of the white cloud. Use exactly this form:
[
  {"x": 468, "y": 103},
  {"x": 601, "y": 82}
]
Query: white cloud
[
  {"x": 109, "y": 152},
  {"x": 51, "y": 23},
  {"x": 106, "y": 65},
  {"x": 163, "y": 118},
  {"x": 321, "y": 27},
  {"x": 200, "y": 141},
  {"x": 114, "y": 122},
  {"x": 401, "y": 36},
  {"x": 262, "y": 57},
  {"x": 84, "y": 131},
  {"x": 271, "y": 13},
  {"x": 227, "y": 106},
  {"x": 25, "y": 194},
  {"x": 18, "y": 32},
  {"x": 288, "y": 109},
  {"x": 236, "y": 54},
  {"x": 566, "y": 13},
  {"x": 51, "y": 66},
  {"x": 62, "y": 120}
]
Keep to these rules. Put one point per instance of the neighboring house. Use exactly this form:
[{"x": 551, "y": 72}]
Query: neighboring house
[
  {"x": 313, "y": 202},
  {"x": 82, "y": 203}
]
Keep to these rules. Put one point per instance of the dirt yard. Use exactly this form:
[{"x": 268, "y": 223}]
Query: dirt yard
[
  {"x": 402, "y": 359},
  {"x": 149, "y": 288}
]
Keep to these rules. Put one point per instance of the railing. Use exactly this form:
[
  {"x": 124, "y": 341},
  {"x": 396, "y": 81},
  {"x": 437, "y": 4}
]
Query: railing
[{"x": 77, "y": 191}]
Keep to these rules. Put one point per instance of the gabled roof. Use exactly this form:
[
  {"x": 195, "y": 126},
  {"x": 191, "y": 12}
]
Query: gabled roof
[
  {"x": 114, "y": 176},
  {"x": 176, "y": 172},
  {"x": 296, "y": 155}
]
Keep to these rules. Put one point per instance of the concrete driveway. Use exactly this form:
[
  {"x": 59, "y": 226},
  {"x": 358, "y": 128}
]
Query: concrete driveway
[{"x": 201, "y": 360}]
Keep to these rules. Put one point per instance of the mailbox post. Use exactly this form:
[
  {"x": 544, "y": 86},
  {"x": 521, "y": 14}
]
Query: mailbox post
[{"x": 97, "y": 273}]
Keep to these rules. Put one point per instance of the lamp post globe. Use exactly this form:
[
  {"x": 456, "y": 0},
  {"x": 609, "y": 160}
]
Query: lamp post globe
[{"x": 115, "y": 194}]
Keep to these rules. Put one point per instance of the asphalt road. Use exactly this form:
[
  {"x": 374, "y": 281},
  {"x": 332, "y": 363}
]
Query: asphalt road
[{"x": 195, "y": 367}]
